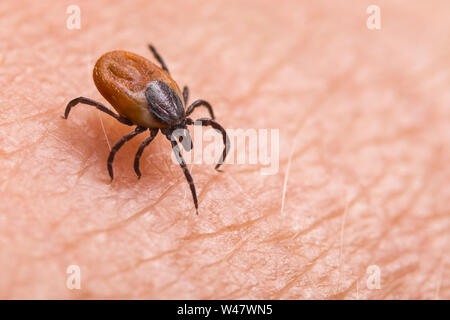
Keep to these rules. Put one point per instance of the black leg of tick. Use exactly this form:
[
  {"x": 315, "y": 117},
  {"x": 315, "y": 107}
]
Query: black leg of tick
[
  {"x": 186, "y": 140},
  {"x": 96, "y": 104},
  {"x": 199, "y": 103},
  {"x": 159, "y": 58},
  {"x": 187, "y": 174},
  {"x": 118, "y": 145},
  {"x": 145, "y": 143},
  {"x": 188, "y": 135},
  {"x": 226, "y": 140},
  {"x": 185, "y": 94}
]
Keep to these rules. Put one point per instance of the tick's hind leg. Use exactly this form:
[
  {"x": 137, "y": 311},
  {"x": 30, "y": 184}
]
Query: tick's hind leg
[
  {"x": 96, "y": 104},
  {"x": 187, "y": 174},
  {"x": 186, "y": 140},
  {"x": 118, "y": 145},
  {"x": 226, "y": 140},
  {"x": 199, "y": 103},
  {"x": 159, "y": 58},
  {"x": 145, "y": 143}
]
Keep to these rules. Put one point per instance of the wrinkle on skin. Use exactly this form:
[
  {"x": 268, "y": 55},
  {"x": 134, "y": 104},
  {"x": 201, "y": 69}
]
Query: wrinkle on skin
[{"x": 363, "y": 179}]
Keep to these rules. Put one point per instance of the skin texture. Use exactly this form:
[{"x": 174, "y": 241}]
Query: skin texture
[{"x": 364, "y": 153}]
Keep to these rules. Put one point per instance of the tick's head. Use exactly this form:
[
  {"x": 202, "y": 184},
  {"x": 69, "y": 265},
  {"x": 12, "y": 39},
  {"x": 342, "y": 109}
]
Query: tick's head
[{"x": 164, "y": 104}]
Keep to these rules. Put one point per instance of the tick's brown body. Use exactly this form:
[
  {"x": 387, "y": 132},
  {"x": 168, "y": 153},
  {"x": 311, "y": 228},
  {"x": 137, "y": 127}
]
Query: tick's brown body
[
  {"x": 145, "y": 95},
  {"x": 122, "y": 78}
]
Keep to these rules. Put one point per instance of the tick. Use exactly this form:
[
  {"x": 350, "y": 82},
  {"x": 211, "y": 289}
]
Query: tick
[{"x": 145, "y": 95}]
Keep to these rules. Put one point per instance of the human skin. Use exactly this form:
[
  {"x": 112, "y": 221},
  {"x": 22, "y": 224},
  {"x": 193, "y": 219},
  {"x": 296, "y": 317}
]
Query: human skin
[{"x": 364, "y": 152}]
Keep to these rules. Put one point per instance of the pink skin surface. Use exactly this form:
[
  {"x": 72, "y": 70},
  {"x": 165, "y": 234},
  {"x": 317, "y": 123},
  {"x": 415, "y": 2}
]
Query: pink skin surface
[{"x": 364, "y": 176}]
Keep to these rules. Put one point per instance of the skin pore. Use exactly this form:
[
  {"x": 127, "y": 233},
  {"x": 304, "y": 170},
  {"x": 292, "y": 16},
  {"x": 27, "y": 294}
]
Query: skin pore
[{"x": 363, "y": 180}]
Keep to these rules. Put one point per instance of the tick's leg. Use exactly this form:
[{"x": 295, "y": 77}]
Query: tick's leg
[
  {"x": 98, "y": 105},
  {"x": 118, "y": 145},
  {"x": 186, "y": 143},
  {"x": 197, "y": 104},
  {"x": 226, "y": 140},
  {"x": 187, "y": 174},
  {"x": 145, "y": 143},
  {"x": 185, "y": 94},
  {"x": 158, "y": 57}
]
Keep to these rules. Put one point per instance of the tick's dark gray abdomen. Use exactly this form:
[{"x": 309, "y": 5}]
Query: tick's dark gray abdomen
[{"x": 164, "y": 104}]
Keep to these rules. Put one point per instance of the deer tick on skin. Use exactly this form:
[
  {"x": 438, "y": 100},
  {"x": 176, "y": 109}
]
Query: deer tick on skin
[{"x": 146, "y": 96}]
